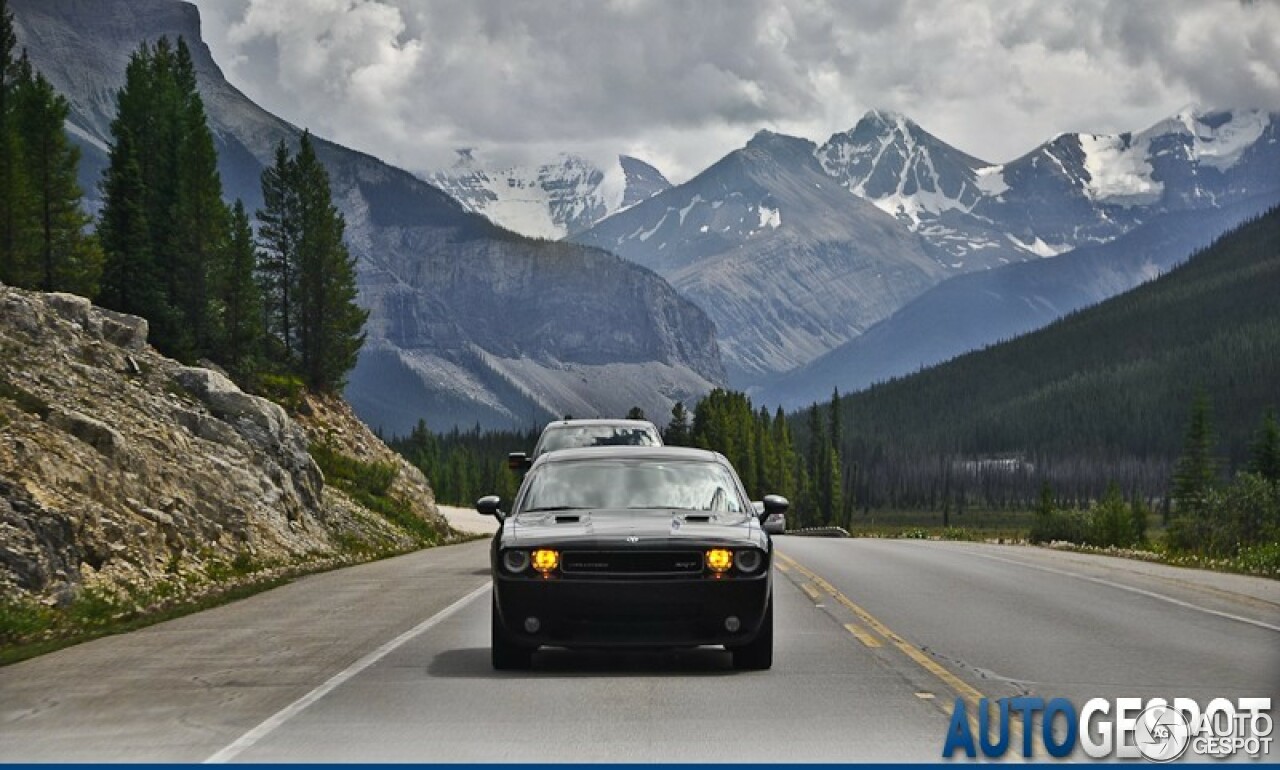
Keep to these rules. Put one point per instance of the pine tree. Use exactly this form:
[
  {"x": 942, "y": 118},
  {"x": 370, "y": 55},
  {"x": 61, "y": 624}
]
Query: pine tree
[
  {"x": 331, "y": 323},
  {"x": 835, "y": 496},
  {"x": 635, "y": 413},
  {"x": 1111, "y": 521},
  {"x": 1265, "y": 452},
  {"x": 1196, "y": 471},
  {"x": 129, "y": 283},
  {"x": 278, "y": 233},
  {"x": 1138, "y": 515},
  {"x": 781, "y": 439},
  {"x": 161, "y": 109},
  {"x": 17, "y": 208},
  {"x": 837, "y": 429},
  {"x": 67, "y": 259},
  {"x": 819, "y": 467},
  {"x": 201, "y": 220},
  {"x": 677, "y": 432},
  {"x": 145, "y": 111},
  {"x": 238, "y": 302},
  {"x": 766, "y": 454}
]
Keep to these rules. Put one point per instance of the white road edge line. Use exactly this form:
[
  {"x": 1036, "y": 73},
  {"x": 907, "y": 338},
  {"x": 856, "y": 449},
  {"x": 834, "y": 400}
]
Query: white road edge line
[
  {"x": 1131, "y": 589},
  {"x": 293, "y": 709}
]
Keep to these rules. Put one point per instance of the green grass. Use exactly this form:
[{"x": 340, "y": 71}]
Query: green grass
[
  {"x": 973, "y": 524},
  {"x": 369, "y": 484},
  {"x": 28, "y": 629},
  {"x": 286, "y": 390},
  {"x": 1006, "y": 526}
]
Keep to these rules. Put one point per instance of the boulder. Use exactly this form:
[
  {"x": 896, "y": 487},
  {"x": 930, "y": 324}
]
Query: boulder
[
  {"x": 95, "y": 433},
  {"x": 262, "y": 423},
  {"x": 127, "y": 331}
]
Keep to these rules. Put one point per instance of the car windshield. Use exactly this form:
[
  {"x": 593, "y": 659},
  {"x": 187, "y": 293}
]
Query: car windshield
[
  {"x": 573, "y": 436},
  {"x": 616, "y": 484}
]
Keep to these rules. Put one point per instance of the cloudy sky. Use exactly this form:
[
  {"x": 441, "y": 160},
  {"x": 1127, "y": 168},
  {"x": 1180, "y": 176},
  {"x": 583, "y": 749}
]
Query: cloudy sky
[{"x": 682, "y": 82}]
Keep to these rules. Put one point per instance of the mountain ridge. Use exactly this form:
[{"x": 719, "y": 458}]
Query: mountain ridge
[
  {"x": 406, "y": 234},
  {"x": 976, "y": 310},
  {"x": 549, "y": 200},
  {"x": 785, "y": 261}
]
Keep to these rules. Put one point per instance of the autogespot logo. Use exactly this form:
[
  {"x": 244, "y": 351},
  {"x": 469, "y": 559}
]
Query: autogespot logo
[
  {"x": 1162, "y": 734},
  {"x": 1125, "y": 728}
]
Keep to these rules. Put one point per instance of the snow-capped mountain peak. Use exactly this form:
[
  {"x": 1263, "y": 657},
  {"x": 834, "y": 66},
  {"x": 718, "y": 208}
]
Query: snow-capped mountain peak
[
  {"x": 550, "y": 200},
  {"x": 904, "y": 170},
  {"x": 1133, "y": 169}
]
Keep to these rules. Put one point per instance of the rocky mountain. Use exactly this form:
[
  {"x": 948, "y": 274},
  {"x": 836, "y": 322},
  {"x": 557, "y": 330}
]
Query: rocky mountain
[
  {"x": 134, "y": 481},
  {"x": 551, "y": 200},
  {"x": 469, "y": 322},
  {"x": 976, "y": 310},
  {"x": 731, "y": 239},
  {"x": 781, "y": 257},
  {"x": 1075, "y": 190},
  {"x": 929, "y": 186}
]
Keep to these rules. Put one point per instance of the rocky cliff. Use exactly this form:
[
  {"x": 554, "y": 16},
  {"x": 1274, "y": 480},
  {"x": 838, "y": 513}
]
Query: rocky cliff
[{"x": 139, "y": 481}]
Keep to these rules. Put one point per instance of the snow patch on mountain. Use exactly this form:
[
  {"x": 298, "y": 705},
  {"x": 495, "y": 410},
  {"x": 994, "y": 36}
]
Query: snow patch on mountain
[
  {"x": 990, "y": 181},
  {"x": 771, "y": 218},
  {"x": 1221, "y": 139},
  {"x": 550, "y": 200},
  {"x": 1119, "y": 169},
  {"x": 1039, "y": 247}
]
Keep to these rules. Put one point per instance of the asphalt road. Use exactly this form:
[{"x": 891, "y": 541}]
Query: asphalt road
[{"x": 875, "y": 639}]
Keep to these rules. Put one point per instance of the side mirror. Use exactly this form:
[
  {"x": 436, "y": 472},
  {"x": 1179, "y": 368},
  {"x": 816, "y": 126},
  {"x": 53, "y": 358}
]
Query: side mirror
[
  {"x": 518, "y": 461},
  {"x": 774, "y": 504},
  {"x": 488, "y": 506}
]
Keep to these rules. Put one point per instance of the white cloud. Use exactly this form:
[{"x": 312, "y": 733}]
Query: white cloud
[{"x": 681, "y": 82}]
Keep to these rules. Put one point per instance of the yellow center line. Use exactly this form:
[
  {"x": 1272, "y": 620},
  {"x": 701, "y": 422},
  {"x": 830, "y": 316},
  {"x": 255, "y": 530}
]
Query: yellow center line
[
  {"x": 961, "y": 688},
  {"x": 813, "y": 592},
  {"x": 861, "y": 635}
]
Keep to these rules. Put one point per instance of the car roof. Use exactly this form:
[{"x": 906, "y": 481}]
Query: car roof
[
  {"x": 599, "y": 421},
  {"x": 630, "y": 453}
]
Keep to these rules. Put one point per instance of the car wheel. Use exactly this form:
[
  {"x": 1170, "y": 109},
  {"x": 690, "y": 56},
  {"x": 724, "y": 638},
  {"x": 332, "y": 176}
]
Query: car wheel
[
  {"x": 507, "y": 655},
  {"x": 757, "y": 655}
]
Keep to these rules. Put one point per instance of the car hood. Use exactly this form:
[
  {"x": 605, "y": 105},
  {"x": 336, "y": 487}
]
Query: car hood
[{"x": 639, "y": 528}]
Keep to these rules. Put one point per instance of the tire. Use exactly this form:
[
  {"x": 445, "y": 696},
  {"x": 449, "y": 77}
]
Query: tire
[
  {"x": 506, "y": 654},
  {"x": 757, "y": 655}
]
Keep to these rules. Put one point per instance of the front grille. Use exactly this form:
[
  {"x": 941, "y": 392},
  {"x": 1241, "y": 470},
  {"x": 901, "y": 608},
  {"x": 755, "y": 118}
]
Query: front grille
[{"x": 631, "y": 562}]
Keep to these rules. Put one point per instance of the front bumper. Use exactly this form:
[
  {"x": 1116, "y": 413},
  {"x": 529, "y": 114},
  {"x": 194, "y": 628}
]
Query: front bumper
[{"x": 613, "y": 612}]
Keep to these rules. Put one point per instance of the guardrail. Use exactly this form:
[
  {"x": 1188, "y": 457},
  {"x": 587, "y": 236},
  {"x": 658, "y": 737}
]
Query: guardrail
[{"x": 820, "y": 532}]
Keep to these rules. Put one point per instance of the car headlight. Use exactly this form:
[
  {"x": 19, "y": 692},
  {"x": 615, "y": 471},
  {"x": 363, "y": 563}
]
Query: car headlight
[
  {"x": 749, "y": 560},
  {"x": 719, "y": 560},
  {"x": 515, "y": 561},
  {"x": 545, "y": 560}
]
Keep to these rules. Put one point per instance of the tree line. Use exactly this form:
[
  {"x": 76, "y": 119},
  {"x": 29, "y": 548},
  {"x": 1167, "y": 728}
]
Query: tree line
[
  {"x": 1099, "y": 396},
  {"x": 1205, "y": 512},
  {"x": 465, "y": 465},
  {"x": 271, "y": 307}
]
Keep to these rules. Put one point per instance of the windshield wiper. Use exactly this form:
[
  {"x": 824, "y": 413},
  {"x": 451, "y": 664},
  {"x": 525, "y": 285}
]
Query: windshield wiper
[{"x": 550, "y": 508}]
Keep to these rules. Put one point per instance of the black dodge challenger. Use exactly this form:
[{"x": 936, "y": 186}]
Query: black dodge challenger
[{"x": 632, "y": 547}]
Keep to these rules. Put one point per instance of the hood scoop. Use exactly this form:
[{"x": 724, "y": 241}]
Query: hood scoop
[
  {"x": 568, "y": 518},
  {"x": 698, "y": 518}
]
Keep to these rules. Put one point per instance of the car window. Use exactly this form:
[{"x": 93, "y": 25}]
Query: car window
[
  {"x": 616, "y": 484},
  {"x": 573, "y": 436}
]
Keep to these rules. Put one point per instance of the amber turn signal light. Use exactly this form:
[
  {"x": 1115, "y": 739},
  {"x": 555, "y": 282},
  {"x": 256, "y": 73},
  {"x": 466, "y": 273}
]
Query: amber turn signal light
[
  {"x": 719, "y": 559},
  {"x": 545, "y": 560}
]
